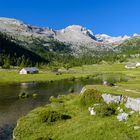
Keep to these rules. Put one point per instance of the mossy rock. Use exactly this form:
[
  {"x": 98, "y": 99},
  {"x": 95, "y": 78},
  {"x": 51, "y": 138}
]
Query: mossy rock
[
  {"x": 35, "y": 95},
  {"x": 62, "y": 98},
  {"x": 56, "y": 100},
  {"x": 90, "y": 97},
  {"x": 105, "y": 109},
  {"x": 23, "y": 95},
  {"x": 71, "y": 90}
]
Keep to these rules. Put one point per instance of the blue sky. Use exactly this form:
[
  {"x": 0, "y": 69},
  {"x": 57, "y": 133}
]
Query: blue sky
[{"x": 113, "y": 17}]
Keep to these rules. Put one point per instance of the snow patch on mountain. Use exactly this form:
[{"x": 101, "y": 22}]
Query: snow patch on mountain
[
  {"x": 111, "y": 40},
  {"x": 136, "y": 35}
]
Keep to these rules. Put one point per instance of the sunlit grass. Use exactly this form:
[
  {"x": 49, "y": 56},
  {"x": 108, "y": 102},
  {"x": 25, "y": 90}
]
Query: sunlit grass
[{"x": 82, "y": 126}]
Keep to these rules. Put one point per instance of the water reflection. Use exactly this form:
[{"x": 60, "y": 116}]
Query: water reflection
[{"x": 12, "y": 108}]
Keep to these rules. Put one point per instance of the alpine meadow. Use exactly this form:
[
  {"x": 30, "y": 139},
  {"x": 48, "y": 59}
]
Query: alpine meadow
[{"x": 70, "y": 70}]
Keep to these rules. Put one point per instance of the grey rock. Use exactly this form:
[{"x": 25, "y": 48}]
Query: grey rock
[
  {"x": 136, "y": 127},
  {"x": 123, "y": 116},
  {"x": 80, "y": 39},
  {"x": 91, "y": 110},
  {"x": 111, "y": 98},
  {"x": 133, "y": 104}
]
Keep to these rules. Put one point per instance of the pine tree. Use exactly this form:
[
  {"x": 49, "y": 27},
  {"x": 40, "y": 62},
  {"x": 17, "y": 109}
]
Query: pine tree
[{"x": 6, "y": 64}]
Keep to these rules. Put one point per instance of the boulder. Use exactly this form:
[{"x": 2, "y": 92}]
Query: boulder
[
  {"x": 136, "y": 127},
  {"x": 133, "y": 104},
  {"x": 111, "y": 98},
  {"x": 131, "y": 112},
  {"x": 123, "y": 116},
  {"x": 91, "y": 110},
  {"x": 83, "y": 90}
]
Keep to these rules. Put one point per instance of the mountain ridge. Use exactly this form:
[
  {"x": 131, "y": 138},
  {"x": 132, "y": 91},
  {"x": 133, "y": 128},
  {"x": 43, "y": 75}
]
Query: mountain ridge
[
  {"x": 74, "y": 44},
  {"x": 73, "y": 34}
]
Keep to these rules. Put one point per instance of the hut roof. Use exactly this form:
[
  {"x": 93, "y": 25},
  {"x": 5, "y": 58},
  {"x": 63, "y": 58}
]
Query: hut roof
[
  {"x": 31, "y": 69},
  {"x": 131, "y": 65}
]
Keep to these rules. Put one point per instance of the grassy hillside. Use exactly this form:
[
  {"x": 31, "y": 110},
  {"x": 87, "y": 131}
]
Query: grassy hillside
[
  {"x": 130, "y": 46},
  {"x": 13, "y": 76}
]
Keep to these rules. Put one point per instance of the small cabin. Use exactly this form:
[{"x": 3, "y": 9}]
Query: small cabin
[
  {"x": 130, "y": 66},
  {"x": 138, "y": 64},
  {"x": 29, "y": 71}
]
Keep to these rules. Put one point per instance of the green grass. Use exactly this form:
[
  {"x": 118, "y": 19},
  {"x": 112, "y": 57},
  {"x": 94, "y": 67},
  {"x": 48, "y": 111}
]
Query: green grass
[
  {"x": 13, "y": 76},
  {"x": 8, "y": 76},
  {"x": 113, "y": 90},
  {"x": 82, "y": 126}
]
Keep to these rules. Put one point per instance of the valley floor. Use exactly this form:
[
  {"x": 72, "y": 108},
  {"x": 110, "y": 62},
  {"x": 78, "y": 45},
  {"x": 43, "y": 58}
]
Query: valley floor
[
  {"x": 13, "y": 76},
  {"x": 82, "y": 126},
  {"x": 77, "y": 123}
]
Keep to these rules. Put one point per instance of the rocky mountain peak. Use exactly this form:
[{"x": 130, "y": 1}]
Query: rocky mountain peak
[
  {"x": 109, "y": 39},
  {"x": 136, "y": 35},
  {"x": 11, "y": 21},
  {"x": 75, "y": 35},
  {"x": 77, "y": 28}
]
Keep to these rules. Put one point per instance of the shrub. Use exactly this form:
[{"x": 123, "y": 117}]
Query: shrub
[
  {"x": 87, "y": 77},
  {"x": 106, "y": 109},
  {"x": 59, "y": 73},
  {"x": 51, "y": 116},
  {"x": 51, "y": 81},
  {"x": 62, "y": 98},
  {"x": 72, "y": 79},
  {"x": 6, "y": 66},
  {"x": 43, "y": 138},
  {"x": 90, "y": 97},
  {"x": 55, "y": 69}
]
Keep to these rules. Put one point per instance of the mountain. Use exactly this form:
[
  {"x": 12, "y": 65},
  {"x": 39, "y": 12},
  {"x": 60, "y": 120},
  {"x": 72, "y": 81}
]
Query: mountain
[
  {"x": 77, "y": 37},
  {"x": 16, "y": 27},
  {"x": 131, "y": 46},
  {"x": 106, "y": 39},
  {"x": 36, "y": 39},
  {"x": 76, "y": 34},
  {"x": 65, "y": 45},
  {"x": 15, "y": 54}
]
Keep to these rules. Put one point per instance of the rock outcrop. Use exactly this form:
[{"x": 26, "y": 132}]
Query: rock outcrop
[
  {"x": 79, "y": 38},
  {"x": 122, "y": 116},
  {"x": 108, "y": 98},
  {"x": 133, "y": 104}
]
